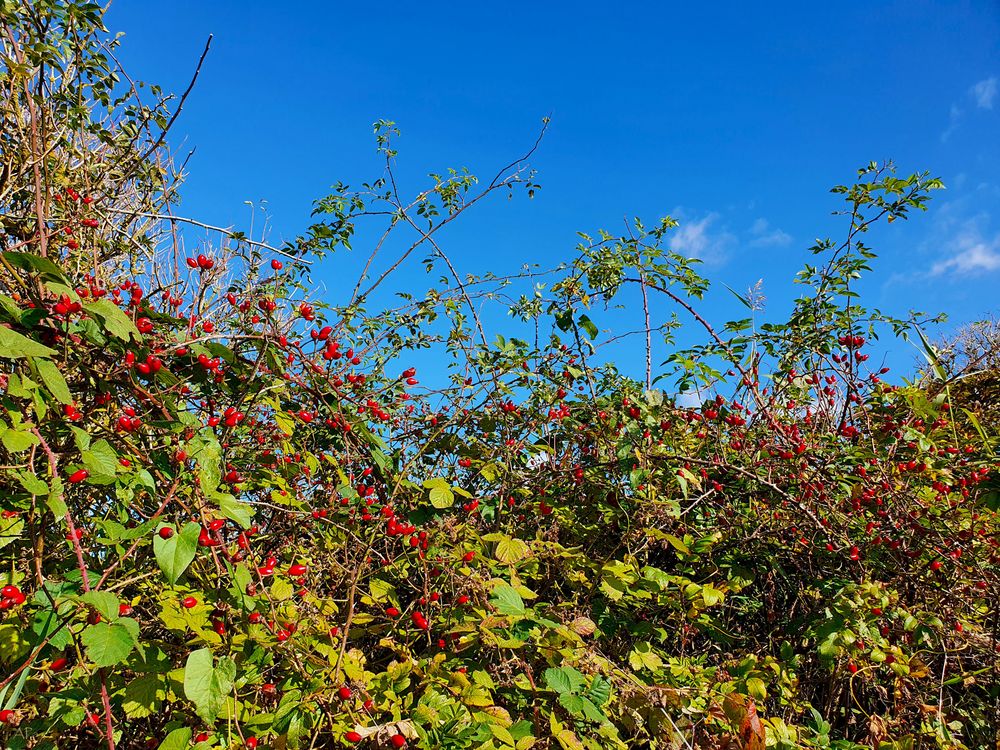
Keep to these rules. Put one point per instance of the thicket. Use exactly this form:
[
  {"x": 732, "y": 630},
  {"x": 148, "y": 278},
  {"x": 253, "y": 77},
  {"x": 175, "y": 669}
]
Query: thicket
[{"x": 231, "y": 515}]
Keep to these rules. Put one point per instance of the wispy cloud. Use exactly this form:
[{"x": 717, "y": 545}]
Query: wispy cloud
[
  {"x": 960, "y": 244},
  {"x": 969, "y": 252},
  {"x": 985, "y": 92},
  {"x": 704, "y": 238},
  {"x": 962, "y": 240},
  {"x": 764, "y": 235},
  {"x": 954, "y": 117}
]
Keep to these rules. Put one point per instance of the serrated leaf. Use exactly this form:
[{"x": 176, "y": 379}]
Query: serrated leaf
[
  {"x": 103, "y": 602},
  {"x": 143, "y": 696},
  {"x": 108, "y": 643},
  {"x": 757, "y": 688},
  {"x": 507, "y": 601},
  {"x": 32, "y": 484},
  {"x": 600, "y": 690},
  {"x": 564, "y": 679},
  {"x": 439, "y": 492},
  {"x": 55, "y": 499},
  {"x": 18, "y": 440},
  {"x": 100, "y": 459},
  {"x": 572, "y": 703},
  {"x": 588, "y": 325},
  {"x": 510, "y": 550}
]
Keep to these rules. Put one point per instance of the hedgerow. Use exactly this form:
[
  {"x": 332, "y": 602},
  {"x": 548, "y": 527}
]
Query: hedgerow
[{"x": 233, "y": 515}]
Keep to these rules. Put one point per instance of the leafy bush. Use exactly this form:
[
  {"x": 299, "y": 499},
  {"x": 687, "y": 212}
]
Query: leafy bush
[{"x": 232, "y": 516}]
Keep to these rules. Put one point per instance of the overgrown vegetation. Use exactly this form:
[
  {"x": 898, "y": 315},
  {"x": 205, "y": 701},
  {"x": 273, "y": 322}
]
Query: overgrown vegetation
[{"x": 232, "y": 516}]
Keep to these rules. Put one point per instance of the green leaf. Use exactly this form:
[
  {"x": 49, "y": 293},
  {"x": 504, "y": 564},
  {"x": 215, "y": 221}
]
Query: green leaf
[
  {"x": 55, "y": 499},
  {"x": 115, "y": 321},
  {"x": 571, "y": 702},
  {"x": 54, "y": 380},
  {"x": 14, "y": 346},
  {"x": 175, "y": 554},
  {"x": 235, "y": 510},
  {"x": 108, "y": 643},
  {"x": 442, "y": 497},
  {"x": 178, "y": 739},
  {"x": 643, "y": 657},
  {"x": 143, "y": 696},
  {"x": 740, "y": 297},
  {"x": 104, "y": 602},
  {"x": 600, "y": 690},
  {"x": 382, "y": 591},
  {"x": 588, "y": 325},
  {"x": 10, "y": 530},
  {"x": 35, "y": 263},
  {"x": 510, "y": 550},
  {"x": 711, "y": 595},
  {"x": 210, "y": 465},
  {"x": 564, "y": 679},
  {"x": 206, "y": 684},
  {"x": 507, "y": 601},
  {"x": 18, "y": 440},
  {"x": 100, "y": 459},
  {"x": 440, "y": 492},
  {"x": 32, "y": 484},
  {"x": 757, "y": 688}
]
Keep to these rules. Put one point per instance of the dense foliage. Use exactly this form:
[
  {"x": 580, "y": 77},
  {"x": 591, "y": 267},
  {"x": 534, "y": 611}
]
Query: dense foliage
[{"x": 231, "y": 515}]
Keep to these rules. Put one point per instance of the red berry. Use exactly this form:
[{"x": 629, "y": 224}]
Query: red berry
[
  {"x": 189, "y": 602},
  {"x": 297, "y": 570},
  {"x": 165, "y": 532},
  {"x": 353, "y": 737},
  {"x": 344, "y": 692},
  {"x": 277, "y": 265},
  {"x": 78, "y": 476},
  {"x": 251, "y": 742},
  {"x": 397, "y": 740}
]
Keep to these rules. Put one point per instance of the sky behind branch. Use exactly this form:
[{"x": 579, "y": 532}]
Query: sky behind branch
[{"x": 734, "y": 118}]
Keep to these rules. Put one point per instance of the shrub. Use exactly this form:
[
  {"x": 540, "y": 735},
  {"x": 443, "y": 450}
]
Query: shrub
[{"x": 231, "y": 515}]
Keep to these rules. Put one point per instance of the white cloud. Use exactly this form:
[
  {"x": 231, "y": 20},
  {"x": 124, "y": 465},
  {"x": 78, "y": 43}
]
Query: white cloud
[
  {"x": 702, "y": 239},
  {"x": 953, "y": 119},
  {"x": 766, "y": 236},
  {"x": 985, "y": 92},
  {"x": 969, "y": 253},
  {"x": 966, "y": 244}
]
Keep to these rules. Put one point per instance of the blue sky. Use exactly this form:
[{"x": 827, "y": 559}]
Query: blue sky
[{"x": 735, "y": 118}]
